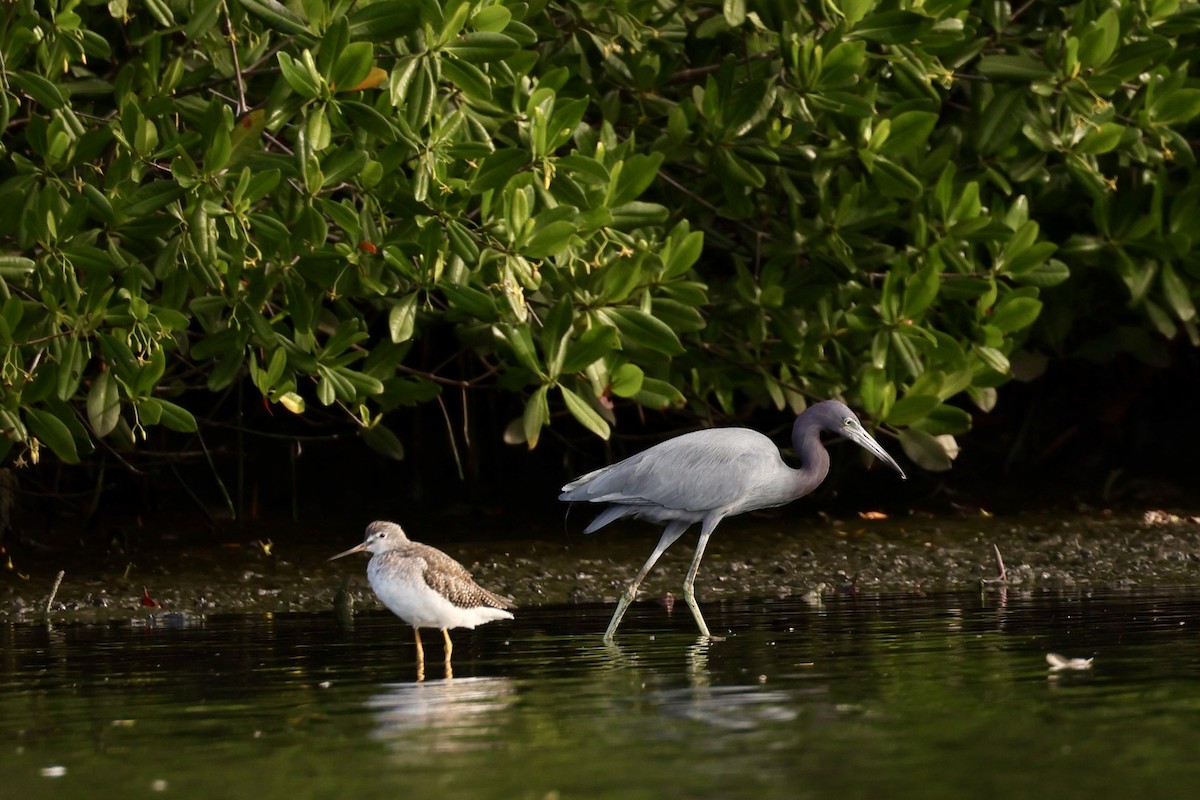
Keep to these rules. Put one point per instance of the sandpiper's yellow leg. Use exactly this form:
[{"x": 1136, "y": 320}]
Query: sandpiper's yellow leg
[
  {"x": 420, "y": 655},
  {"x": 449, "y": 650}
]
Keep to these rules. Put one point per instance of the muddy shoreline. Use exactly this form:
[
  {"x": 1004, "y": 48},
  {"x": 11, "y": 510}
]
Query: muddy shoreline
[{"x": 760, "y": 556}]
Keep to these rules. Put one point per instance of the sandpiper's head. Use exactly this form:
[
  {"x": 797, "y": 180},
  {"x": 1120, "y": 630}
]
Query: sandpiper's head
[{"x": 381, "y": 536}]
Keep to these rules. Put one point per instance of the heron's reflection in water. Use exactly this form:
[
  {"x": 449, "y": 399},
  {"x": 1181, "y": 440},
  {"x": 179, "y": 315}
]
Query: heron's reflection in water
[{"x": 442, "y": 716}]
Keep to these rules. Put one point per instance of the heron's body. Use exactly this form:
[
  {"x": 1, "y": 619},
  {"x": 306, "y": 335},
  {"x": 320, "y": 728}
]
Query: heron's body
[
  {"x": 708, "y": 475},
  {"x": 425, "y": 587},
  {"x": 716, "y": 473}
]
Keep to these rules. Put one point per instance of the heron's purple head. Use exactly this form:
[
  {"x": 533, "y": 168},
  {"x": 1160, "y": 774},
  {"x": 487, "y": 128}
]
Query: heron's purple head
[{"x": 836, "y": 417}]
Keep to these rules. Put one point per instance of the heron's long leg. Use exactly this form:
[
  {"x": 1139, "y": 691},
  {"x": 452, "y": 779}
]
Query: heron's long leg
[
  {"x": 673, "y": 531},
  {"x": 689, "y": 590}
]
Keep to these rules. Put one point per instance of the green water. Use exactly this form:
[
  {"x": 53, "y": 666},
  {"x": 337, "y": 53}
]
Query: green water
[{"x": 945, "y": 695}]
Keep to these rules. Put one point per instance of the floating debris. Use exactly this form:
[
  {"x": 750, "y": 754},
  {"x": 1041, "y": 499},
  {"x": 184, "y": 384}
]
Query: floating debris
[
  {"x": 1058, "y": 662},
  {"x": 147, "y": 601},
  {"x": 1160, "y": 517}
]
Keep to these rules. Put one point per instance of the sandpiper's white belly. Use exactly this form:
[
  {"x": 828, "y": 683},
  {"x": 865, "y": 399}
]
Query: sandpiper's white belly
[{"x": 406, "y": 595}]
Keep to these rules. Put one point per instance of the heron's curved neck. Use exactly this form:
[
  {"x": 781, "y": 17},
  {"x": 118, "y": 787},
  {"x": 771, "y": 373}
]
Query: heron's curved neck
[{"x": 814, "y": 458}]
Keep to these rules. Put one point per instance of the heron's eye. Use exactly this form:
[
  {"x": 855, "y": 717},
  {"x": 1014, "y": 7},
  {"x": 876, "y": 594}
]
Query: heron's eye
[{"x": 848, "y": 422}]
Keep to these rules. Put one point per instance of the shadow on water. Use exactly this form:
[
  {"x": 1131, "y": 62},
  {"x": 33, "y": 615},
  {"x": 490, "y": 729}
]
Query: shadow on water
[{"x": 942, "y": 695}]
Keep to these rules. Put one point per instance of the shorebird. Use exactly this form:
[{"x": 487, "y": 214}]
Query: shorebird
[{"x": 425, "y": 587}]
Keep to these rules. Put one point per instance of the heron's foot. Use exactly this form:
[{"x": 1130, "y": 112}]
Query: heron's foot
[{"x": 689, "y": 597}]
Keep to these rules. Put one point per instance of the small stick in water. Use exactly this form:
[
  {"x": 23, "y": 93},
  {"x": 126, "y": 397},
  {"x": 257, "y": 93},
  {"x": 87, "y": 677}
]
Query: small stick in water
[
  {"x": 54, "y": 591},
  {"x": 1003, "y": 576}
]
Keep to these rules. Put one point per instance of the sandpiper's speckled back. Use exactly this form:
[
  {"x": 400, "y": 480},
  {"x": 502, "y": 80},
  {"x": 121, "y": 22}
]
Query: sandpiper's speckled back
[{"x": 424, "y": 586}]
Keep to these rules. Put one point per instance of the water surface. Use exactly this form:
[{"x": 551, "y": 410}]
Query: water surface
[{"x": 929, "y": 696}]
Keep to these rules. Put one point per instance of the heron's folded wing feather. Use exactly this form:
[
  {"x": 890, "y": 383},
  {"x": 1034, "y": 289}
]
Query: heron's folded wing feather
[{"x": 702, "y": 470}]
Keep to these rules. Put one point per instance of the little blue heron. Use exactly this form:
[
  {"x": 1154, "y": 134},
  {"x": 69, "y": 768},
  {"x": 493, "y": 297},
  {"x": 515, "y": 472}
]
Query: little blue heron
[
  {"x": 708, "y": 475},
  {"x": 425, "y": 587}
]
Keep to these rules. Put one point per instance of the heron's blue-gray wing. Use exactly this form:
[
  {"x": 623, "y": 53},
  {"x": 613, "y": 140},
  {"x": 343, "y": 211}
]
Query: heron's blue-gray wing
[{"x": 695, "y": 472}]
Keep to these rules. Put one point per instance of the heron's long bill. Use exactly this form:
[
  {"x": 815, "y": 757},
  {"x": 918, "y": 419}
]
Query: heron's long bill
[
  {"x": 358, "y": 548},
  {"x": 868, "y": 443}
]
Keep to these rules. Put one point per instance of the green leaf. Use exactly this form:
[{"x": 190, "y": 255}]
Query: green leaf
[
  {"x": 535, "y": 416},
  {"x": 520, "y": 339},
  {"x": 909, "y": 134},
  {"x": 351, "y": 66},
  {"x": 843, "y": 64},
  {"x": 175, "y": 417},
  {"x": 53, "y": 433},
  {"x": 1176, "y": 292},
  {"x": 277, "y": 16},
  {"x": 584, "y": 167},
  {"x": 498, "y": 168},
  {"x": 1098, "y": 42},
  {"x": 854, "y": 10},
  {"x": 360, "y": 384},
  {"x": 891, "y": 27},
  {"x": 894, "y": 180},
  {"x": 1015, "y": 313},
  {"x": 1051, "y": 273},
  {"x": 384, "y": 20},
  {"x": 562, "y": 123},
  {"x": 104, "y": 404},
  {"x": 592, "y": 345},
  {"x": 42, "y": 91},
  {"x": 1103, "y": 139},
  {"x": 203, "y": 18},
  {"x": 16, "y": 266},
  {"x": 993, "y": 358},
  {"x": 471, "y": 301},
  {"x": 684, "y": 254},
  {"x": 874, "y": 390},
  {"x": 626, "y": 380},
  {"x": 483, "y": 46},
  {"x": 296, "y": 76},
  {"x": 1014, "y": 67},
  {"x": 637, "y": 215},
  {"x": 934, "y": 453},
  {"x": 468, "y": 77},
  {"x": 738, "y": 170},
  {"x": 911, "y": 408},
  {"x": 150, "y": 197},
  {"x": 582, "y": 411},
  {"x": 642, "y": 329},
  {"x": 382, "y": 440},
  {"x": 245, "y": 140},
  {"x": 402, "y": 318},
  {"x": 550, "y": 239},
  {"x": 734, "y": 12},
  {"x": 659, "y": 395},
  {"x": 634, "y": 177},
  {"x": 492, "y": 19},
  {"x": 920, "y": 290},
  {"x": 1174, "y": 107}
]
